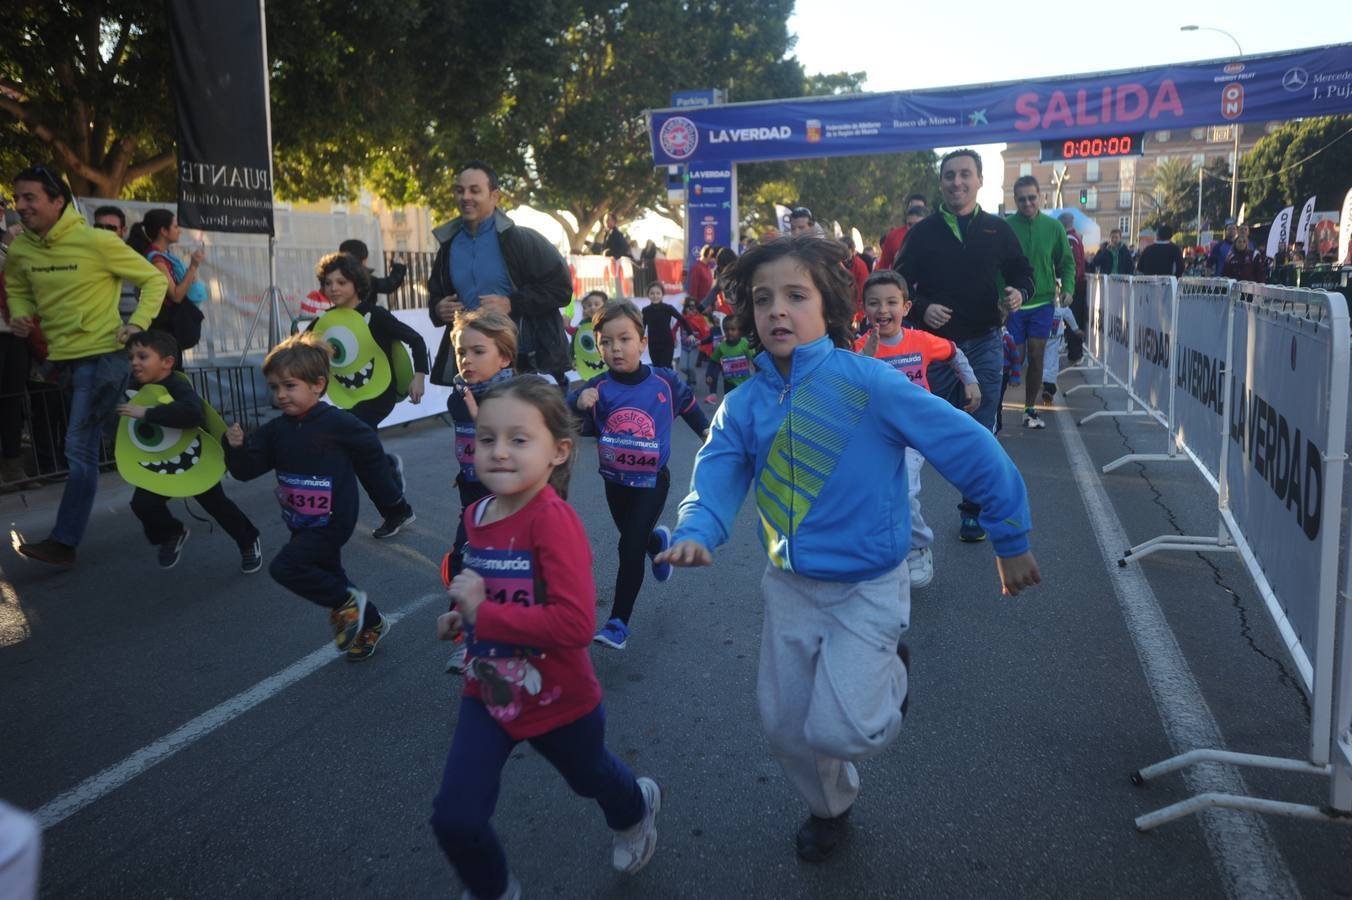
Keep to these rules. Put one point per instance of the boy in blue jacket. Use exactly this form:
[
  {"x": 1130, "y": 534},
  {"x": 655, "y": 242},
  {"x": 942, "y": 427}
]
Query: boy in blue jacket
[{"x": 832, "y": 682}]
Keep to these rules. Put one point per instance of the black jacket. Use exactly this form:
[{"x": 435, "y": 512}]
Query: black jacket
[
  {"x": 1160, "y": 258},
  {"x": 386, "y": 285},
  {"x": 541, "y": 287},
  {"x": 963, "y": 275},
  {"x": 1103, "y": 261}
]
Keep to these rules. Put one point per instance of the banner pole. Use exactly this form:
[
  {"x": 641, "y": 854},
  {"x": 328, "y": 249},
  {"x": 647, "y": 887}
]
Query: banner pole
[{"x": 274, "y": 294}]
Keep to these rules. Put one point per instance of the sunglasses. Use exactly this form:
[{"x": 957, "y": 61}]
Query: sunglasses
[
  {"x": 106, "y": 227},
  {"x": 916, "y": 211},
  {"x": 1026, "y": 199}
]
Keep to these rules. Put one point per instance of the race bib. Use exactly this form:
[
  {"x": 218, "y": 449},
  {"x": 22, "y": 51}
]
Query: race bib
[
  {"x": 509, "y": 577},
  {"x": 306, "y": 500},
  {"x": 736, "y": 367},
  {"x": 464, "y": 449},
  {"x": 912, "y": 365},
  {"x": 632, "y": 461}
]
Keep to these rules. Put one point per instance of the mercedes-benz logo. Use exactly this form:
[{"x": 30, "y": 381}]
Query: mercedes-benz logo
[{"x": 1295, "y": 79}]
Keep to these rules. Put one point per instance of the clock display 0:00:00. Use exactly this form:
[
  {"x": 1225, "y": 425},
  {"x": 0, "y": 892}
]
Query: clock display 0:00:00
[{"x": 1117, "y": 145}]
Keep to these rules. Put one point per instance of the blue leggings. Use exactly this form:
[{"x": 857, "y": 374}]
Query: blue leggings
[{"x": 469, "y": 788}]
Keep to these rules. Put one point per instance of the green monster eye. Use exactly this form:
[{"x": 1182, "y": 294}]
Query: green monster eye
[
  {"x": 344, "y": 344},
  {"x": 152, "y": 438},
  {"x": 588, "y": 342}
]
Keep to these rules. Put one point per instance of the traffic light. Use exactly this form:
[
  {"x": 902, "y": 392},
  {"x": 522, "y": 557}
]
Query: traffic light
[{"x": 1084, "y": 196}]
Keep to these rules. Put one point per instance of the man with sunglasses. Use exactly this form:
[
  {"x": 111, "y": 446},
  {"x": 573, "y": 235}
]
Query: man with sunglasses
[
  {"x": 69, "y": 275},
  {"x": 1044, "y": 242},
  {"x": 801, "y": 221},
  {"x": 112, "y": 218}
]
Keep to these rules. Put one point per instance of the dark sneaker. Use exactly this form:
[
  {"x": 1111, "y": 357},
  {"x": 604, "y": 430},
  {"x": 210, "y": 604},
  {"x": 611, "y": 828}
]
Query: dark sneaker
[
  {"x": 614, "y": 634},
  {"x": 970, "y": 531},
  {"x": 662, "y": 571},
  {"x": 394, "y": 522},
  {"x": 635, "y": 845},
  {"x": 251, "y": 558},
  {"x": 172, "y": 549},
  {"x": 347, "y": 619},
  {"x": 397, "y": 470},
  {"x": 818, "y": 838},
  {"x": 53, "y": 553},
  {"x": 367, "y": 638}
]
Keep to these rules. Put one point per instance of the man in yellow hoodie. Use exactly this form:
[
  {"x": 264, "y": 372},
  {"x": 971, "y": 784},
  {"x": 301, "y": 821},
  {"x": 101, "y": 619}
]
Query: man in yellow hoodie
[{"x": 69, "y": 275}]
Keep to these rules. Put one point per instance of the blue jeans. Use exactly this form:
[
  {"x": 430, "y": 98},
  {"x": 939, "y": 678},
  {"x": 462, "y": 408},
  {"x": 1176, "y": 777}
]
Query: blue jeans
[
  {"x": 469, "y": 788},
  {"x": 96, "y": 384},
  {"x": 986, "y": 354}
]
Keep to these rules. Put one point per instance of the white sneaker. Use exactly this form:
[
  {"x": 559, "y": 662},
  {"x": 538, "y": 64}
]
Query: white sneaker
[
  {"x": 920, "y": 563},
  {"x": 1033, "y": 420},
  {"x": 456, "y": 663},
  {"x": 634, "y": 846}
]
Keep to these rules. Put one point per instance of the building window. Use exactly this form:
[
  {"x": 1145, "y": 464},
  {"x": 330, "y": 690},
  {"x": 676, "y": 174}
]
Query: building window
[
  {"x": 1219, "y": 134},
  {"x": 1199, "y": 160},
  {"x": 1091, "y": 198},
  {"x": 1198, "y": 134},
  {"x": 1025, "y": 169},
  {"x": 1124, "y": 200},
  {"x": 1162, "y": 137},
  {"x": 1161, "y": 160},
  {"x": 1091, "y": 172},
  {"x": 1126, "y": 172},
  {"x": 1123, "y": 222},
  {"x": 398, "y": 216}
]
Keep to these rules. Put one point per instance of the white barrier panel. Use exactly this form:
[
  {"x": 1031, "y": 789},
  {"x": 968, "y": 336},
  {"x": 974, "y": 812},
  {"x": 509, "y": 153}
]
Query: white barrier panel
[
  {"x": 1094, "y": 299},
  {"x": 1152, "y": 324},
  {"x": 1200, "y": 357},
  {"x": 1116, "y": 326},
  {"x": 435, "y": 397},
  {"x": 1286, "y": 419}
]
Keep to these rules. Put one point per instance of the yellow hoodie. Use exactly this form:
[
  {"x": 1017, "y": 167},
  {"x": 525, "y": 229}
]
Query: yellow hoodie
[{"x": 71, "y": 279}]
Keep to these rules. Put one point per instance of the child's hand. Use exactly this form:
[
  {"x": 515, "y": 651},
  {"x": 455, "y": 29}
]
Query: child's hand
[
  {"x": 467, "y": 593},
  {"x": 471, "y": 404},
  {"x": 1018, "y": 572},
  {"x": 973, "y": 392},
  {"x": 416, "y": 388},
  {"x": 587, "y": 399},
  {"x": 686, "y": 553},
  {"x": 131, "y": 410},
  {"x": 234, "y": 436},
  {"x": 450, "y": 625}
]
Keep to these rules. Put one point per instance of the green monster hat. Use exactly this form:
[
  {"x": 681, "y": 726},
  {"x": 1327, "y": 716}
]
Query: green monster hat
[
  {"x": 171, "y": 462},
  {"x": 586, "y": 357},
  {"x": 360, "y": 369}
]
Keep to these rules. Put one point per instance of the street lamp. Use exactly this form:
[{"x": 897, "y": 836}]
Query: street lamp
[{"x": 1234, "y": 161}]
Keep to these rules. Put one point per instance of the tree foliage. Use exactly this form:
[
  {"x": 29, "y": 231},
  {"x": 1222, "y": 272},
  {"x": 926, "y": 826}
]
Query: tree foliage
[
  {"x": 1175, "y": 193},
  {"x": 1277, "y": 172}
]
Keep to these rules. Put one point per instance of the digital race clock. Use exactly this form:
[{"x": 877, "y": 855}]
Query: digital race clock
[{"x": 1093, "y": 147}]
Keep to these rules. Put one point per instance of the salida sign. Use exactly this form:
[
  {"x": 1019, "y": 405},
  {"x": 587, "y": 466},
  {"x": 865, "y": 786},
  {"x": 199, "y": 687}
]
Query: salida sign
[{"x": 1299, "y": 83}]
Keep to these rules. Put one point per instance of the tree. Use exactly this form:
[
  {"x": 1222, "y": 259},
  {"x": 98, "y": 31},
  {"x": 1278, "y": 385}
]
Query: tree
[
  {"x": 864, "y": 192},
  {"x": 1298, "y": 159},
  {"x": 1175, "y": 193}
]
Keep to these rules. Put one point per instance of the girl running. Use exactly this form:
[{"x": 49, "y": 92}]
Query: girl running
[
  {"x": 525, "y": 604},
  {"x": 632, "y": 408},
  {"x": 814, "y": 417},
  {"x": 485, "y": 345}
]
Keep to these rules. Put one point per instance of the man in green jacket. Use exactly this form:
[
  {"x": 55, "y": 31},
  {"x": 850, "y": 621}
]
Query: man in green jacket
[
  {"x": 1044, "y": 242},
  {"x": 69, "y": 275}
]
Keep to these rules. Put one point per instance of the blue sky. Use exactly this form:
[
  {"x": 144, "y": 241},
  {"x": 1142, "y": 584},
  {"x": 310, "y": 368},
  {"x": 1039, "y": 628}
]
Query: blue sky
[{"x": 909, "y": 45}]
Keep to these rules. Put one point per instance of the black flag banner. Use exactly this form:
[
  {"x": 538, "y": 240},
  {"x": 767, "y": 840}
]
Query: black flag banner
[{"x": 221, "y": 101}]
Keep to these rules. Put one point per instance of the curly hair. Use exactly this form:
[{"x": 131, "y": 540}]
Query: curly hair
[
  {"x": 824, "y": 261},
  {"x": 350, "y": 267}
]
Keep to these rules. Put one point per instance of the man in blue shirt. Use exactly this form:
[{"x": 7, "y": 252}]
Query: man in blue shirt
[{"x": 487, "y": 261}]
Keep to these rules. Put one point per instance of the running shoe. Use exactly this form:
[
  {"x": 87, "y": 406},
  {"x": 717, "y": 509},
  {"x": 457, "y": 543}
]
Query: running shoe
[
  {"x": 1032, "y": 420},
  {"x": 614, "y": 634},
  {"x": 971, "y": 531},
  {"x": 635, "y": 845},
  {"x": 366, "y": 641},
  {"x": 920, "y": 564},
  {"x": 347, "y": 619},
  {"x": 456, "y": 664},
  {"x": 171, "y": 550},
  {"x": 394, "y": 523},
  {"x": 251, "y": 558},
  {"x": 662, "y": 571}
]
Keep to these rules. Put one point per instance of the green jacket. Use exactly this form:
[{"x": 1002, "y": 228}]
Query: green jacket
[
  {"x": 71, "y": 280},
  {"x": 1044, "y": 242}
]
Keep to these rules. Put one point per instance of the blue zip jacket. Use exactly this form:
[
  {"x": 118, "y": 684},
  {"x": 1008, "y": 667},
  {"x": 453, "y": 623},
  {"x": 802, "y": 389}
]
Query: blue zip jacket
[{"x": 825, "y": 451}]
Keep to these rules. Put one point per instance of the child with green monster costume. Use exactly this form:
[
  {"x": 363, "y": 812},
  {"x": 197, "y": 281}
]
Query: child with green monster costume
[
  {"x": 165, "y": 407},
  {"x": 587, "y": 361}
]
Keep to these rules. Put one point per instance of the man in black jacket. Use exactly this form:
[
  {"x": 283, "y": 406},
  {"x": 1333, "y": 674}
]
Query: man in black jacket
[
  {"x": 966, "y": 271},
  {"x": 1163, "y": 257},
  {"x": 1113, "y": 258},
  {"x": 487, "y": 261},
  {"x": 386, "y": 285}
]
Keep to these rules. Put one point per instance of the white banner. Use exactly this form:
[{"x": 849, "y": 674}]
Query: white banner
[
  {"x": 1152, "y": 322},
  {"x": 1345, "y": 231},
  {"x": 1199, "y": 345},
  {"x": 1093, "y": 328},
  {"x": 782, "y": 218},
  {"x": 1280, "y": 232},
  {"x": 1302, "y": 234},
  {"x": 1116, "y": 326}
]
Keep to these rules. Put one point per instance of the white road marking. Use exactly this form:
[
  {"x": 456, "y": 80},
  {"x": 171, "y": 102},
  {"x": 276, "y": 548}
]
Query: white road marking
[
  {"x": 1242, "y": 849},
  {"x": 110, "y": 779}
]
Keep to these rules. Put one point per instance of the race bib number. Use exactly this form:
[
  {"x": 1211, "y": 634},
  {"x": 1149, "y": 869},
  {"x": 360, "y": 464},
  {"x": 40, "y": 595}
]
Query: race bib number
[
  {"x": 464, "y": 449},
  {"x": 509, "y": 577},
  {"x": 306, "y": 500},
  {"x": 736, "y": 367},
  {"x": 912, "y": 365},
  {"x": 632, "y": 461}
]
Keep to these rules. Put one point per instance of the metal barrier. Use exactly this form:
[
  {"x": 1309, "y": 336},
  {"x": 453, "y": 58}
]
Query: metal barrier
[{"x": 1256, "y": 395}]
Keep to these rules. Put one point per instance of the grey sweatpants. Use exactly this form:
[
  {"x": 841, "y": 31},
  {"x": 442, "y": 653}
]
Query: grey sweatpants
[{"x": 831, "y": 684}]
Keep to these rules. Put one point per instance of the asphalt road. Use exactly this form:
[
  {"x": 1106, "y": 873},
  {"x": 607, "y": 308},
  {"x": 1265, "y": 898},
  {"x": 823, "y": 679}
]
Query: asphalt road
[{"x": 238, "y": 757}]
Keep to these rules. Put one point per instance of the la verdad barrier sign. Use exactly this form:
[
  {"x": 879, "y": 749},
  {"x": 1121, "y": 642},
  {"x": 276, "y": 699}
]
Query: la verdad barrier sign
[{"x": 1252, "y": 384}]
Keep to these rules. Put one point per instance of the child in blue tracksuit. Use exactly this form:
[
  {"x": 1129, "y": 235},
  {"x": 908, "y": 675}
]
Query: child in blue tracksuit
[
  {"x": 803, "y": 430},
  {"x": 318, "y": 452},
  {"x": 631, "y": 407}
]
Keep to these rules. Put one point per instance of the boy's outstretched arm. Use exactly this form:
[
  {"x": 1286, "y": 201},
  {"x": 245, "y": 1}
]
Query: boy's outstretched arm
[
  {"x": 686, "y": 553},
  {"x": 1017, "y": 572}
]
